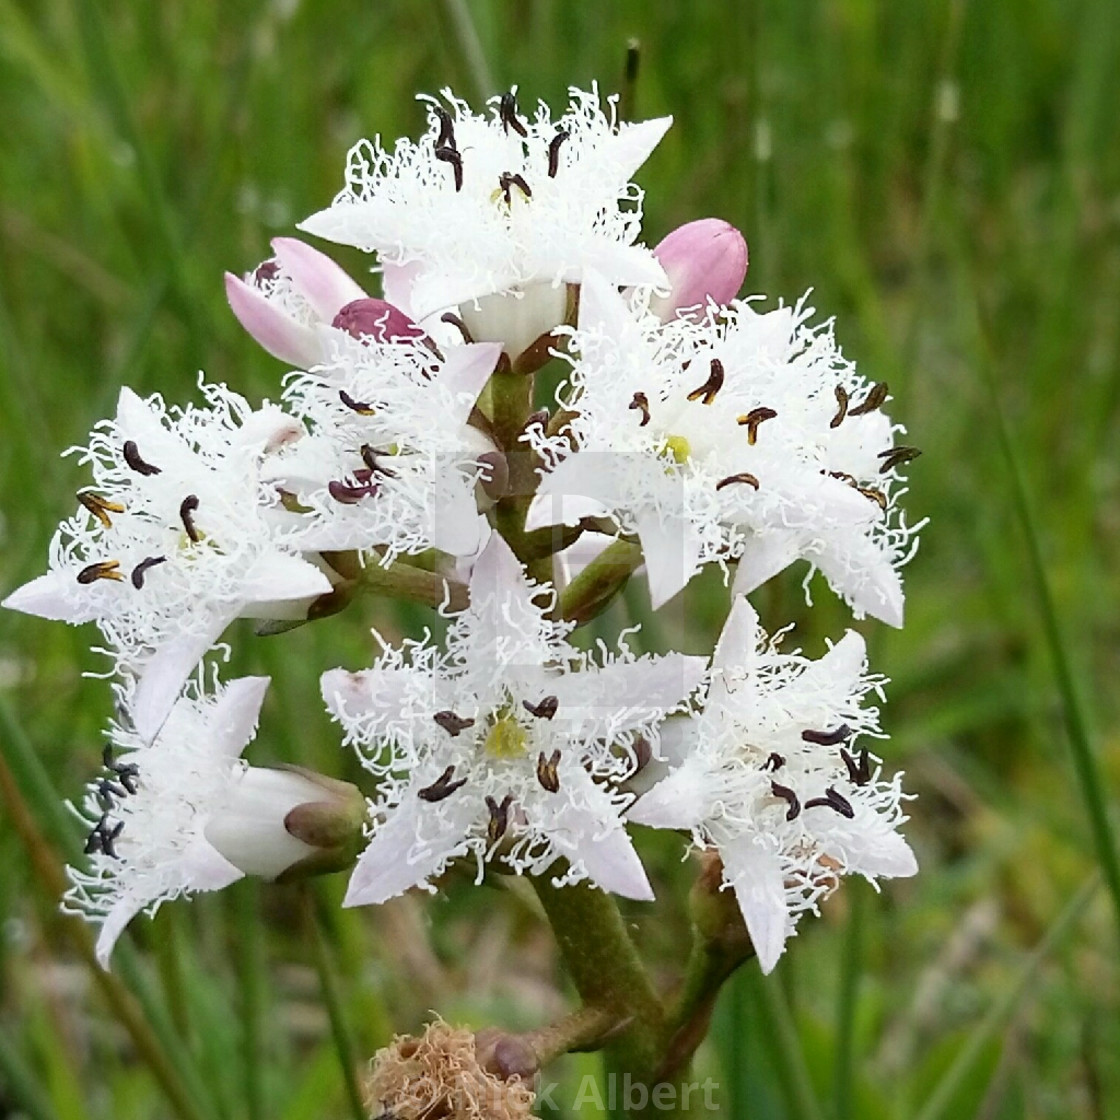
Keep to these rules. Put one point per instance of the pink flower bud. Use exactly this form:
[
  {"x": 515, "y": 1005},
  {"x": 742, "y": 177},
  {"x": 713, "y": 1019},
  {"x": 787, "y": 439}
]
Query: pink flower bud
[
  {"x": 376, "y": 319},
  {"x": 704, "y": 260}
]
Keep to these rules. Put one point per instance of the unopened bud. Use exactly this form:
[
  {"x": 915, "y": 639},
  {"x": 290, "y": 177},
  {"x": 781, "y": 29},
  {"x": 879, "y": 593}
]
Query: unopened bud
[
  {"x": 253, "y": 832},
  {"x": 706, "y": 261},
  {"x": 376, "y": 319}
]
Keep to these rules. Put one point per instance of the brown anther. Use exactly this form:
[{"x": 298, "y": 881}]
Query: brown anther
[
  {"x": 132, "y": 458},
  {"x": 187, "y": 508},
  {"x": 458, "y": 324},
  {"x": 351, "y": 494},
  {"x": 103, "y": 569},
  {"x": 833, "y": 800},
  {"x": 451, "y": 723},
  {"x": 743, "y": 476},
  {"x": 446, "y": 137},
  {"x": 562, "y": 134},
  {"x": 841, "y": 407},
  {"x": 360, "y": 407},
  {"x": 507, "y": 113},
  {"x": 103, "y": 838},
  {"x": 876, "y": 495},
  {"x": 843, "y": 476},
  {"x": 442, "y": 787},
  {"x": 752, "y": 420},
  {"x": 831, "y": 738},
  {"x": 451, "y": 156},
  {"x": 100, "y": 507},
  {"x": 507, "y": 180},
  {"x": 706, "y": 393},
  {"x": 546, "y": 709},
  {"x": 774, "y": 761},
  {"x": 266, "y": 272},
  {"x": 874, "y": 399},
  {"x": 499, "y": 818},
  {"x": 859, "y": 773},
  {"x": 369, "y": 457},
  {"x": 896, "y": 456},
  {"x": 789, "y": 797},
  {"x": 546, "y": 771},
  {"x": 137, "y": 575},
  {"x": 641, "y": 404}
]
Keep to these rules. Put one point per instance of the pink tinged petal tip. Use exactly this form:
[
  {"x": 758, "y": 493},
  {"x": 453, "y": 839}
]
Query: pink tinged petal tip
[
  {"x": 375, "y": 318},
  {"x": 276, "y": 331},
  {"x": 705, "y": 261},
  {"x": 316, "y": 277}
]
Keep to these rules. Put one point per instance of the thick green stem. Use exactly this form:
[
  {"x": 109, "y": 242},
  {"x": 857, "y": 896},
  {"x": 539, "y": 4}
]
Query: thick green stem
[
  {"x": 403, "y": 581},
  {"x": 592, "y": 590},
  {"x": 605, "y": 967}
]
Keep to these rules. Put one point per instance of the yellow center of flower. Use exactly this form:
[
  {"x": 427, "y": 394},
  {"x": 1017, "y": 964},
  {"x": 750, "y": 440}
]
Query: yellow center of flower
[
  {"x": 506, "y": 739},
  {"x": 678, "y": 447}
]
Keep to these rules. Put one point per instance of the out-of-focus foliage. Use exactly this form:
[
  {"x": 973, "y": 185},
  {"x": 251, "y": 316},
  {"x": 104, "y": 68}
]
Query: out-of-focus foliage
[{"x": 946, "y": 176}]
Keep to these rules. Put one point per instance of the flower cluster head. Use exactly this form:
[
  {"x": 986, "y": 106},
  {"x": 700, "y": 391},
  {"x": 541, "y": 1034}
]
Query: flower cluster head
[{"x": 693, "y": 428}]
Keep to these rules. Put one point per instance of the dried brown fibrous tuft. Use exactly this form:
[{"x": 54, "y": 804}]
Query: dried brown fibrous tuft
[{"x": 437, "y": 1076}]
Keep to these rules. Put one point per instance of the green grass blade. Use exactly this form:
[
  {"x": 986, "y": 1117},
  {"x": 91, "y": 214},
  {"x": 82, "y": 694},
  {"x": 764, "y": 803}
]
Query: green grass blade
[
  {"x": 328, "y": 981},
  {"x": 770, "y": 1000},
  {"x": 21, "y": 1084},
  {"x": 998, "y": 1014},
  {"x": 850, "y": 967},
  {"x": 1085, "y": 763}
]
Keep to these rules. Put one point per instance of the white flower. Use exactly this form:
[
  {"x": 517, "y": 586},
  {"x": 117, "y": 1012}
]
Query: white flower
[
  {"x": 186, "y": 813},
  {"x": 741, "y": 437},
  {"x": 178, "y": 536},
  {"x": 392, "y": 461},
  {"x": 514, "y": 742},
  {"x": 770, "y": 775},
  {"x": 497, "y": 213}
]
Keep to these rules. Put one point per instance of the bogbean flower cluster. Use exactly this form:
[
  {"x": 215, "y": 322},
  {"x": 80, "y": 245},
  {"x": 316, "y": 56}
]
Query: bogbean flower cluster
[{"x": 691, "y": 428}]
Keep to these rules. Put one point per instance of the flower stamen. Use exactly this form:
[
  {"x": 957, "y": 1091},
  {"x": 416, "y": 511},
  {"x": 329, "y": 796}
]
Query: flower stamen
[
  {"x": 499, "y": 818},
  {"x": 641, "y": 404},
  {"x": 187, "y": 508},
  {"x": 546, "y": 771},
  {"x": 896, "y": 456},
  {"x": 103, "y": 569},
  {"x": 508, "y": 179},
  {"x": 859, "y": 772},
  {"x": 841, "y": 407},
  {"x": 743, "y": 476},
  {"x": 546, "y": 709},
  {"x": 132, "y": 458},
  {"x": 137, "y": 576},
  {"x": 451, "y": 723},
  {"x": 103, "y": 838},
  {"x": 554, "y": 144},
  {"x": 100, "y": 507},
  {"x": 876, "y": 395},
  {"x": 360, "y": 407},
  {"x": 442, "y": 787},
  {"x": 832, "y": 738},
  {"x": 452, "y": 156},
  {"x": 507, "y": 113},
  {"x": 774, "y": 761},
  {"x": 706, "y": 393},
  {"x": 833, "y": 800},
  {"x": 789, "y": 797},
  {"x": 752, "y": 420},
  {"x": 458, "y": 324}
]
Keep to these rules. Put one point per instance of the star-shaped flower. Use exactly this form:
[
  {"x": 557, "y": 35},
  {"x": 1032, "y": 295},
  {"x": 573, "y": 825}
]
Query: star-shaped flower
[
  {"x": 495, "y": 214},
  {"x": 770, "y": 774},
  {"x": 185, "y": 814},
  {"x": 513, "y": 741},
  {"x": 177, "y": 537},
  {"x": 743, "y": 436},
  {"x": 392, "y": 461}
]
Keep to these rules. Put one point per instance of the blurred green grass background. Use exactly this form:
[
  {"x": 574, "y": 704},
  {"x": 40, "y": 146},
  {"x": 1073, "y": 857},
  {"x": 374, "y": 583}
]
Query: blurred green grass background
[{"x": 946, "y": 177}]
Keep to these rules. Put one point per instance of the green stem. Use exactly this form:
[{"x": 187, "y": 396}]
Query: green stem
[
  {"x": 403, "y": 581},
  {"x": 253, "y": 951},
  {"x": 593, "y": 589},
  {"x": 457, "y": 16},
  {"x": 328, "y": 982}
]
